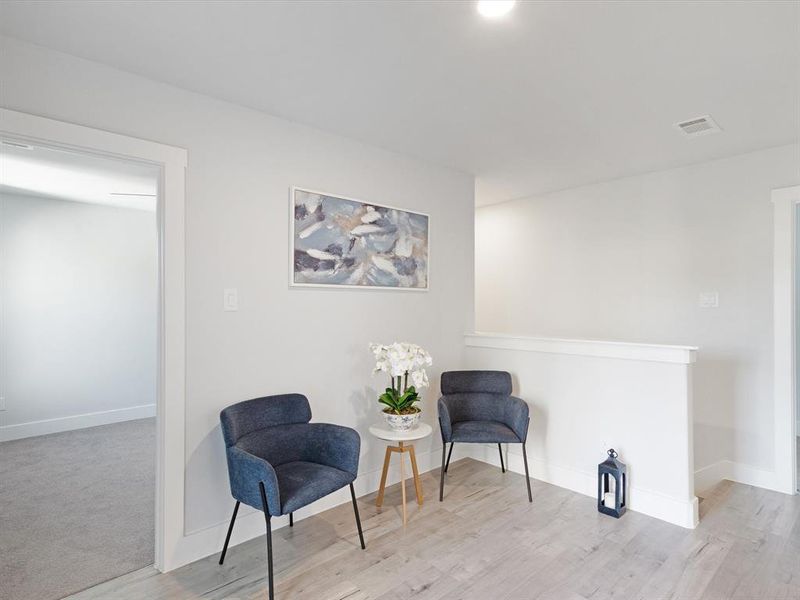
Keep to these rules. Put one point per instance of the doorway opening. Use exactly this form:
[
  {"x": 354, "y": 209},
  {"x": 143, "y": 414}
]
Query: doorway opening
[
  {"x": 172, "y": 547},
  {"x": 78, "y": 367},
  {"x": 796, "y": 363},
  {"x": 786, "y": 278}
]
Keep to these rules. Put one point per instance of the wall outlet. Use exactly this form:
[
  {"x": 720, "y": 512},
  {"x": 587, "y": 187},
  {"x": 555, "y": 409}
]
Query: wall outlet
[
  {"x": 230, "y": 299},
  {"x": 709, "y": 300}
]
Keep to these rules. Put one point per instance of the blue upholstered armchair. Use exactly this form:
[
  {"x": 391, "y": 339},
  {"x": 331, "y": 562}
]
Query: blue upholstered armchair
[
  {"x": 278, "y": 462},
  {"x": 477, "y": 407}
]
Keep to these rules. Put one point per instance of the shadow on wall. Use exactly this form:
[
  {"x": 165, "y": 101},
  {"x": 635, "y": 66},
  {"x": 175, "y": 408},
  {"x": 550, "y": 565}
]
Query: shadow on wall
[
  {"x": 362, "y": 410},
  {"x": 717, "y": 379},
  {"x": 208, "y": 459},
  {"x": 537, "y": 429}
]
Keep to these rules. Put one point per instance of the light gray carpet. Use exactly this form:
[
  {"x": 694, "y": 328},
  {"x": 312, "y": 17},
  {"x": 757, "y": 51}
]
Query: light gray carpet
[{"x": 76, "y": 508}]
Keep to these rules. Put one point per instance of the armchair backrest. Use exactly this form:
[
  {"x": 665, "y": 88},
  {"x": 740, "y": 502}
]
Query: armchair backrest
[
  {"x": 254, "y": 415},
  {"x": 470, "y": 382},
  {"x": 476, "y": 395}
]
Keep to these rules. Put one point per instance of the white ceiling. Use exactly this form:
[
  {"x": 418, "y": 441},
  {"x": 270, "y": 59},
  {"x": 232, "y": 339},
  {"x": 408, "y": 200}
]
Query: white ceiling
[
  {"x": 555, "y": 95},
  {"x": 78, "y": 177}
]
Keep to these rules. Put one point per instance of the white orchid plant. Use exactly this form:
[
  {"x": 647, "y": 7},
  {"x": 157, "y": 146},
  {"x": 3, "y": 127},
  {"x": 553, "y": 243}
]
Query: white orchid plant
[{"x": 401, "y": 361}]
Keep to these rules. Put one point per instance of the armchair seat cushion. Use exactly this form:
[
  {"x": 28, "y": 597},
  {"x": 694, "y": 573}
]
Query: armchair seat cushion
[
  {"x": 302, "y": 483},
  {"x": 483, "y": 432}
]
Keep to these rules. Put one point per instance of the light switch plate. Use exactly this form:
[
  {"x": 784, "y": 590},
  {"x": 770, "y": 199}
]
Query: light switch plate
[
  {"x": 230, "y": 299},
  {"x": 709, "y": 300},
  {"x": 2, "y": 403}
]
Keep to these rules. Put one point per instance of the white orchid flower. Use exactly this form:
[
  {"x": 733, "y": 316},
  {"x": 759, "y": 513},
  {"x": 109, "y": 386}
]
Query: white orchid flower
[
  {"x": 420, "y": 379},
  {"x": 402, "y": 359}
]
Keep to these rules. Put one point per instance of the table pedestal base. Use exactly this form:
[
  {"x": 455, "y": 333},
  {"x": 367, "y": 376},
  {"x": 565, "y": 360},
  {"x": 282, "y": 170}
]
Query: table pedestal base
[{"x": 401, "y": 449}]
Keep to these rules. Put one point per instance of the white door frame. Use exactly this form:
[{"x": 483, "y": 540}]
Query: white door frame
[
  {"x": 785, "y": 202},
  {"x": 171, "y": 379}
]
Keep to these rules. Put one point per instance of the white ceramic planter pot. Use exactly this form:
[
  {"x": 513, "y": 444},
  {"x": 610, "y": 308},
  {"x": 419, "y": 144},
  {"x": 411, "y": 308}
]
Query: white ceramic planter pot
[{"x": 402, "y": 422}]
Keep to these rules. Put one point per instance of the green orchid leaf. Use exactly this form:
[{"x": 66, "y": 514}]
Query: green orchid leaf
[
  {"x": 398, "y": 401},
  {"x": 389, "y": 404}
]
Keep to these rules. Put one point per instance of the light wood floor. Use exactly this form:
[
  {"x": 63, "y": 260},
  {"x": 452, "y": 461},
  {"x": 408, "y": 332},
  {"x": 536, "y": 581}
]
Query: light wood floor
[{"x": 486, "y": 542}]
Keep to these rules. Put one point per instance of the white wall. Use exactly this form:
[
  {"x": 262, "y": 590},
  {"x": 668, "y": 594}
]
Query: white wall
[
  {"x": 797, "y": 316},
  {"x": 79, "y": 285},
  {"x": 241, "y": 165},
  {"x": 627, "y": 259},
  {"x": 585, "y": 398}
]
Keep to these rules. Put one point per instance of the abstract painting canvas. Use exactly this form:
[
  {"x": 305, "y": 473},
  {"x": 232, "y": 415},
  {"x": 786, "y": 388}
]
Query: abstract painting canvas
[{"x": 343, "y": 242}]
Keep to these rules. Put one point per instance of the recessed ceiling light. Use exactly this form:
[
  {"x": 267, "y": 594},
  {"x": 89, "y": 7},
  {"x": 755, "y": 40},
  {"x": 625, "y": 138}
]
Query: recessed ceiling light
[{"x": 493, "y": 9}]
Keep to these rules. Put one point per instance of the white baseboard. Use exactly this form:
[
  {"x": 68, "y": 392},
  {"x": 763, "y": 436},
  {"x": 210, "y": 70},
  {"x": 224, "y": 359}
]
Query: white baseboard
[
  {"x": 106, "y": 417},
  {"x": 712, "y": 474},
  {"x": 742, "y": 473},
  {"x": 250, "y": 523},
  {"x": 672, "y": 510}
]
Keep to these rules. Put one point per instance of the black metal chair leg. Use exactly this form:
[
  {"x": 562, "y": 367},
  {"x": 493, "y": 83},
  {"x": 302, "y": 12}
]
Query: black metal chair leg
[
  {"x": 441, "y": 477},
  {"x": 449, "y": 454},
  {"x": 268, "y": 519},
  {"x": 527, "y": 475},
  {"x": 291, "y": 519},
  {"x": 502, "y": 466},
  {"x": 358, "y": 518},
  {"x": 230, "y": 531}
]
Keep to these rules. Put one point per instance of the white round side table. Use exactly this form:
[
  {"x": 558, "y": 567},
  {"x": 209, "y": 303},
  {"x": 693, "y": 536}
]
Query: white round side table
[{"x": 383, "y": 432}]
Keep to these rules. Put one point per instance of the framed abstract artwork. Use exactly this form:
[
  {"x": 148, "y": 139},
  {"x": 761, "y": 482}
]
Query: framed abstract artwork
[{"x": 342, "y": 242}]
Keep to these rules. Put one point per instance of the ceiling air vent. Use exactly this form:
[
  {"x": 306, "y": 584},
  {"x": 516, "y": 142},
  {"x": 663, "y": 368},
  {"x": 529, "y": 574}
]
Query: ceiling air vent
[{"x": 698, "y": 126}]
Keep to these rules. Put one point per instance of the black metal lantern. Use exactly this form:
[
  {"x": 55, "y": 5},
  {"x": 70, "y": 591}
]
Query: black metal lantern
[{"x": 612, "y": 479}]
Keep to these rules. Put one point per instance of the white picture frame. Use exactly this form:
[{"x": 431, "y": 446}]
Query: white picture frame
[{"x": 293, "y": 237}]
